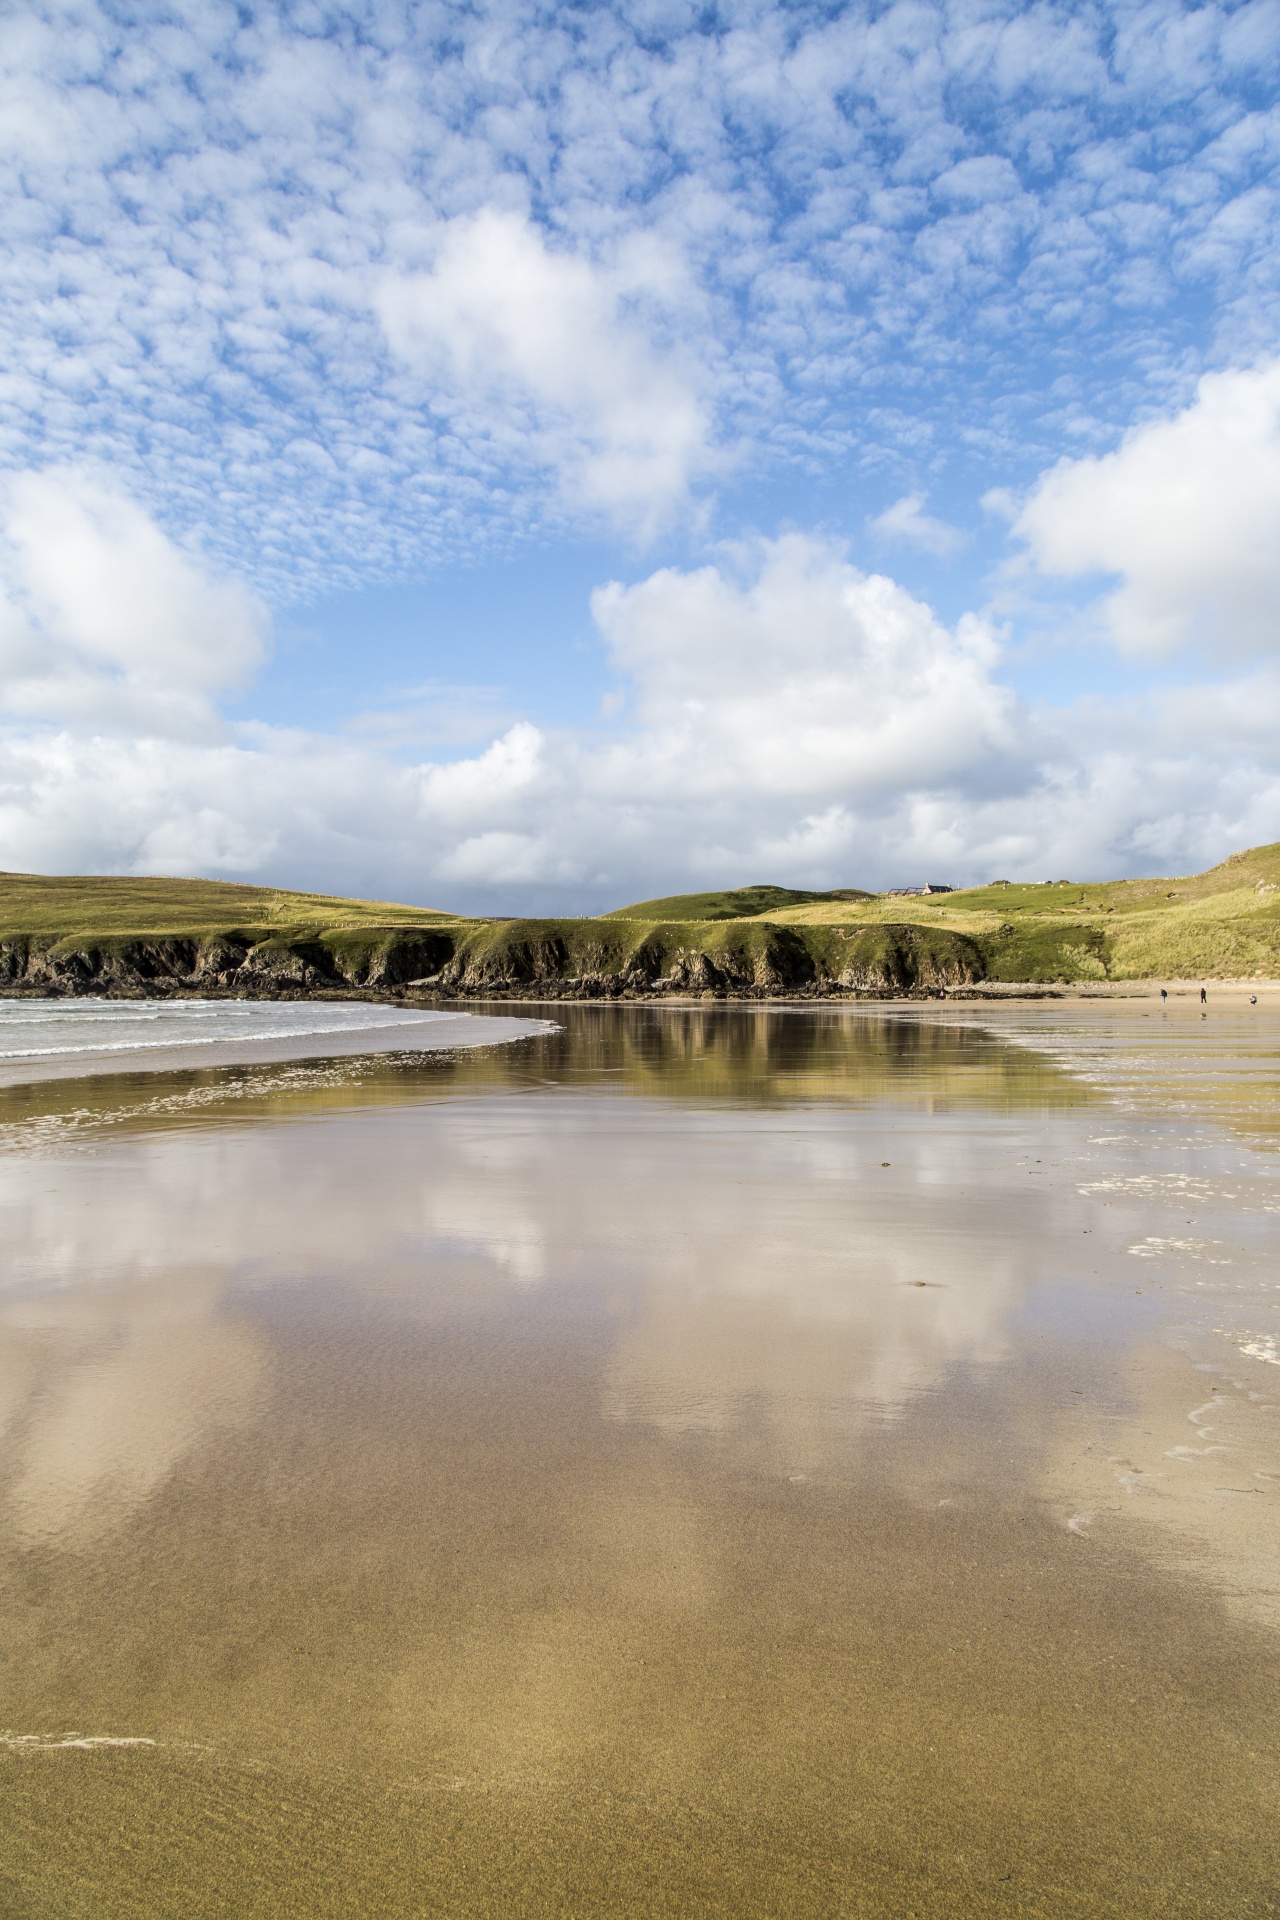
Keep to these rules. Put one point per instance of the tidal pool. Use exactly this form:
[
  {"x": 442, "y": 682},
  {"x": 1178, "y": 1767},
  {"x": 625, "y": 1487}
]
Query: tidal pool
[{"x": 732, "y": 1461}]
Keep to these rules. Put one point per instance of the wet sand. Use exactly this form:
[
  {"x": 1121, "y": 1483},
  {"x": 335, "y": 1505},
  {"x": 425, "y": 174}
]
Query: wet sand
[{"x": 714, "y": 1461}]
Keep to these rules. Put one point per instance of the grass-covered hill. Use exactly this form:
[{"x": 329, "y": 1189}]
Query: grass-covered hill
[
  {"x": 1222, "y": 924},
  {"x": 122, "y": 934},
  {"x": 156, "y": 935},
  {"x": 739, "y": 903},
  {"x": 33, "y": 903}
]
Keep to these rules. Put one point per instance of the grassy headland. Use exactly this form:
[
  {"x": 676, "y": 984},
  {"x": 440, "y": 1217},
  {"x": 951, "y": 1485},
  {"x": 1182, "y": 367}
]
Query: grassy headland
[
  {"x": 98, "y": 934},
  {"x": 70, "y": 906},
  {"x": 1223, "y": 924},
  {"x": 738, "y": 903}
]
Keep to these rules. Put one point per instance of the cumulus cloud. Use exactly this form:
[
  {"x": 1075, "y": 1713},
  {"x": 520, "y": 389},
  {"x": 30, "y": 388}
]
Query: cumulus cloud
[
  {"x": 519, "y": 338},
  {"x": 907, "y": 520},
  {"x": 546, "y": 822},
  {"x": 1187, "y": 512},
  {"x": 783, "y": 714},
  {"x": 105, "y": 622},
  {"x": 795, "y": 674},
  {"x": 777, "y": 700}
]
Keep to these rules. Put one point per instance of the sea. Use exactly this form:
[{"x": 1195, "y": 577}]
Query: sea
[{"x": 62, "y": 1038}]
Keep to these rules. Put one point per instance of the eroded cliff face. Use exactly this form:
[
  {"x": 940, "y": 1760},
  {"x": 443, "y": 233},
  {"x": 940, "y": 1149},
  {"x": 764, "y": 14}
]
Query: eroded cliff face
[
  {"x": 513, "y": 959},
  {"x": 742, "y": 959},
  {"x": 224, "y": 962}
]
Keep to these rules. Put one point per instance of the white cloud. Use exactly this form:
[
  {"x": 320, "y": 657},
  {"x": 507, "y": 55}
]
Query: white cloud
[
  {"x": 785, "y": 716},
  {"x": 104, "y": 621},
  {"x": 778, "y": 702},
  {"x": 800, "y": 677},
  {"x": 584, "y": 824},
  {"x": 521, "y": 339},
  {"x": 1187, "y": 512},
  {"x": 906, "y": 520},
  {"x": 196, "y": 214},
  {"x": 834, "y": 241},
  {"x": 985, "y": 177}
]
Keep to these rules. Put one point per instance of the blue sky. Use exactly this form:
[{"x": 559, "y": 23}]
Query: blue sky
[{"x": 530, "y": 457}]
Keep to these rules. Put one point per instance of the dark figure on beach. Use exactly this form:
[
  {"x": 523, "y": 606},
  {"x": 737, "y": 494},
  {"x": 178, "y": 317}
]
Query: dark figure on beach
[
  {"x": 1203, "y": 997},
  {"x": 1164, "y": 995}
]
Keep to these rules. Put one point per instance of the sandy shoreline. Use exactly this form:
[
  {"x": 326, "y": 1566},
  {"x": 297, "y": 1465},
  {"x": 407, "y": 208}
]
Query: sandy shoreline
[
  {"x": 1218, "y": 990},
  {"x": 1217, "y": 987},
  {"x": 452, "y": 1030}
]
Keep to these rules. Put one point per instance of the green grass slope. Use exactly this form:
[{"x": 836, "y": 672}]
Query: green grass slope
[
  {"x": 737, "y": 903},
  {"x": 73, "y": 907},
  {"x": 1222, "y": 924},
  {"x": 117, "y": 934}
]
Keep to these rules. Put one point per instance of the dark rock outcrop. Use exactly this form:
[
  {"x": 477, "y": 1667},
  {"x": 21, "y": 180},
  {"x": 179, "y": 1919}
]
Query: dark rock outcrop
[{"x": 518, "y": 959}]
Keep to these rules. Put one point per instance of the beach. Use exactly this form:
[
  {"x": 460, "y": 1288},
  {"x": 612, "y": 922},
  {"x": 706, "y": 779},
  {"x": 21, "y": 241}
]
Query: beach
[{"x": 704, "y": 1460}]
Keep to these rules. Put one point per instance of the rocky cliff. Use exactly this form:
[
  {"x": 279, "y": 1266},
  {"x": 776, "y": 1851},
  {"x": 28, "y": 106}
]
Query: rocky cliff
[{"x": 520, "y": 959}]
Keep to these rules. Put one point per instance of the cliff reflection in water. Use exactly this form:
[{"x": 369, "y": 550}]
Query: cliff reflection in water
[
  {"x": 744, "y": 1056},
  {"x": 750, "y": 1271}
]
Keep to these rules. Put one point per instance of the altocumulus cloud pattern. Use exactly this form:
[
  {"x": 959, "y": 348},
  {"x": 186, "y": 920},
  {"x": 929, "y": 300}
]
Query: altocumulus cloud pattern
[{"x": 912, "y": 368}]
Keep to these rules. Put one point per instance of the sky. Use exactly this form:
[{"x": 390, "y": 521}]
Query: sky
[{"x": 527, "y": 459}]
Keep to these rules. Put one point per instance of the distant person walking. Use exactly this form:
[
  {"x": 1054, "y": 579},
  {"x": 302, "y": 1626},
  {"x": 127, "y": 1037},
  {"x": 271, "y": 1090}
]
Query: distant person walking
[
  {"x": 1164, "y": 996},
  {"x": 1203, "y": 997}
]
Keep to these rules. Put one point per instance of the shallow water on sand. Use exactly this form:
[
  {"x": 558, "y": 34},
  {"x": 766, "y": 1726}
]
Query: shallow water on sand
[
  {"x": 59, "y": 1039},
  {"x": 704, "y": 1461}
]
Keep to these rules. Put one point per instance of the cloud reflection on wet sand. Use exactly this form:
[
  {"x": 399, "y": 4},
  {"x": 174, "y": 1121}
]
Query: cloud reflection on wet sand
[{"x": 556, "y": 1499}]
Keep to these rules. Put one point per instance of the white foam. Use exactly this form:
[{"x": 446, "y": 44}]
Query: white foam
[
  {"x": 70, "y": 1030},
  {"x": 86, "y": 1742}
]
